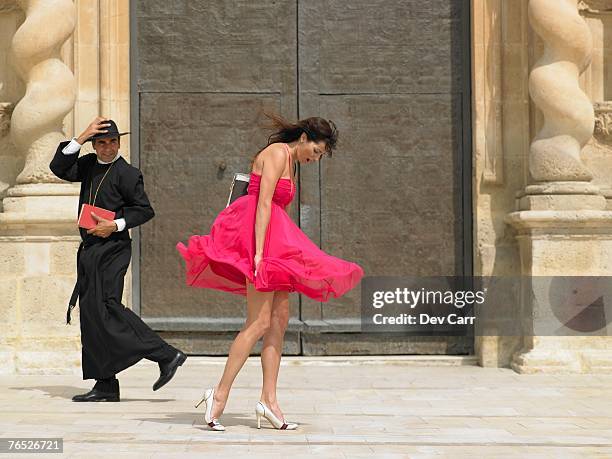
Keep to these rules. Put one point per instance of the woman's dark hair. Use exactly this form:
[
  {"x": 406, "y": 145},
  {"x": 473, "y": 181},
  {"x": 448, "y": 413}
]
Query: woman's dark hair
[{"x": 316, "y": 129}]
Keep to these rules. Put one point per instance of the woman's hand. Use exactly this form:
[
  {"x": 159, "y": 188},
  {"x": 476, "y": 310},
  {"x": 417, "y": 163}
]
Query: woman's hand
[{"x": 256, "y": 261}]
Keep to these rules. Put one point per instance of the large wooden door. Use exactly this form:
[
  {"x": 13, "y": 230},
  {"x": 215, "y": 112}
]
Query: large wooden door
[{"x": 392, "y": 75}]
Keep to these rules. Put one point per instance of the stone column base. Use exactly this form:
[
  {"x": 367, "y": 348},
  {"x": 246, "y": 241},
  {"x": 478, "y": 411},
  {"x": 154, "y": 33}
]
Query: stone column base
[
  {"x": 41, "y": 357},
  {"x": 562, "y": 243},
  {"x": 571, "y": 354},
  {"x": 38, "y": 242}
]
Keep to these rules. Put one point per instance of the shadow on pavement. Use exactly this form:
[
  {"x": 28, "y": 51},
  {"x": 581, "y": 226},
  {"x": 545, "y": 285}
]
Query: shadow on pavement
[
  {"x": 67, "y": 392},
  {"x": 229, "y": 419}
]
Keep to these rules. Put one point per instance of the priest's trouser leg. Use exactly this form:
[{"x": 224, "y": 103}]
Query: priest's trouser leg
[{"x": 113, "y": 337}]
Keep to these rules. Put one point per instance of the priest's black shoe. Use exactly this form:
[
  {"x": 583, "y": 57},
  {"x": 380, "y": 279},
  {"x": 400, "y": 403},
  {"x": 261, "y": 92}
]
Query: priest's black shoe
[
  {"x": 103, "y": 391},
  {"x": 167, "y": 370}
]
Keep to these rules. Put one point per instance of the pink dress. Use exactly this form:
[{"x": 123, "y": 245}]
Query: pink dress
[{"x": 224, "y": 259}]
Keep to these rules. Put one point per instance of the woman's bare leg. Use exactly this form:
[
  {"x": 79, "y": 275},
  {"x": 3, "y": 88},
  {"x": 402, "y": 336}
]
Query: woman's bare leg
[
  {"x": 272, "y": 350},
  {"x": 259, "y": 308}
]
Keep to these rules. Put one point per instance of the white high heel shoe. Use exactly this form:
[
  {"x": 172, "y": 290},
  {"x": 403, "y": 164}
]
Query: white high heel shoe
[
  {"x": 208, "y": 399},
  {"x": 262, "y": 410}
]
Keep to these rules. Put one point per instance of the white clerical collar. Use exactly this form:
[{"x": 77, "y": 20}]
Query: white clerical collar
[{"x": 111, "y": 161}]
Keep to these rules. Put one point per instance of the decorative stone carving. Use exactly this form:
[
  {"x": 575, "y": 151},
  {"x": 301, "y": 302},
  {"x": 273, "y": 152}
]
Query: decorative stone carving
[
  {"x": 554, "y": 87},
  {"x": 595, "y": 6},
  {"x": 603, "y": 122},
  {"x": 6, "y": 108},
  {"x": 7, "y": 6},
  {"x": 36, "y": 126}
]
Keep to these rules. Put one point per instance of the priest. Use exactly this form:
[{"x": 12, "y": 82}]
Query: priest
[{"x": 113, "y": 338}]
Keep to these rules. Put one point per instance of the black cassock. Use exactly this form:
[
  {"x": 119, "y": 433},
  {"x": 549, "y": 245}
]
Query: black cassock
[{"x": 113, "y": 338}]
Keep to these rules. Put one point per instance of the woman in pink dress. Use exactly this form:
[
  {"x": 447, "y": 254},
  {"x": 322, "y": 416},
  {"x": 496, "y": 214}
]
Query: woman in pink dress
[{"x": 254, "y": 249}]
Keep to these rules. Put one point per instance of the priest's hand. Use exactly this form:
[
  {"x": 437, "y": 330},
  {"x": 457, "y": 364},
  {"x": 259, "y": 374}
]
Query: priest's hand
[
  {"x": 97, "y": 126},
  {"x": 104, "y": 228}
]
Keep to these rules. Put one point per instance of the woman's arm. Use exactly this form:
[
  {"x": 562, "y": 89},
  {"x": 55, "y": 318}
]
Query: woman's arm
[{"x": 273, "y": 166}]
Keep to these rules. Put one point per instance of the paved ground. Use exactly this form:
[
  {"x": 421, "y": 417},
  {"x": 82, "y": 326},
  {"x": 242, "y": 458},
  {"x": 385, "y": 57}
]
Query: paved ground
[{"x": 346, "y": 408}]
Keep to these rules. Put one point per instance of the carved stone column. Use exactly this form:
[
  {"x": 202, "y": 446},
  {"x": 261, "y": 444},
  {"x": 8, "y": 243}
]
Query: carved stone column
[
  {"x": 561, "y": 179},
  {"x": 38, "y": 234},
  {"x": 562, "y": 225},
  {"x": 36, "y": 123},
  {"x": 37, "y": 119}
]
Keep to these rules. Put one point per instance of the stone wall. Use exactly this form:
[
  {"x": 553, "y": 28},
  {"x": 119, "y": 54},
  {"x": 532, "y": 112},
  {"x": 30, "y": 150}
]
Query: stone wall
[
  {"x": 501, "y": 136},
  {"x": 519, "y": 166},
  {"x": 83, "y": 50}
]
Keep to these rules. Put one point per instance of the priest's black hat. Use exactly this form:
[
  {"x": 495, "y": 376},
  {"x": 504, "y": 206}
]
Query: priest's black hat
[{"x": 112, "y": 131}]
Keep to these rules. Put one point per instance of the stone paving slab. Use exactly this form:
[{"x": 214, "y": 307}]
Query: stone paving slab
[{"x": 346, "y": 408}]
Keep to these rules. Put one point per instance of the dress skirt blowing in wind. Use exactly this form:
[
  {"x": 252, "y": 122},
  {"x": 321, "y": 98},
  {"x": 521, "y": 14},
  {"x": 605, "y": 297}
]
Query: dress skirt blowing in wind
[{"x": 223, "y": 259}]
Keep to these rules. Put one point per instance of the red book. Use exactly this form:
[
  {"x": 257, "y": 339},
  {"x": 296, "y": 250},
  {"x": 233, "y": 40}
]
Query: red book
[{"x": 87, "y": 221}]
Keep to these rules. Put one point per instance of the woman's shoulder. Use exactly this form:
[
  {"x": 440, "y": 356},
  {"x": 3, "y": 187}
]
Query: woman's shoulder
[
  {"x": 276, "y": 149},
  {"x": 275, "y": 152}
]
